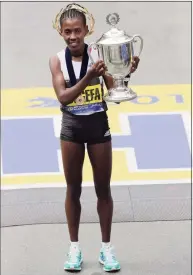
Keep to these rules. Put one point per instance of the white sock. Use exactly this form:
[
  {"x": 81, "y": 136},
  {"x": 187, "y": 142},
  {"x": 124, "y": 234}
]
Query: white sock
[
  {"x": 75, "y": 245},
  {"x": 104, "y": 245}
]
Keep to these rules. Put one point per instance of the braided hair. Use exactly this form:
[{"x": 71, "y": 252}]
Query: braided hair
[
  {"x": 71, "y": 14},
  {"x": 74, "y": 11}
]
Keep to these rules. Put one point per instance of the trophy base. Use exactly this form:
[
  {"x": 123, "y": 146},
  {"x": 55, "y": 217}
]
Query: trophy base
[{"x": 118, "y": 95}]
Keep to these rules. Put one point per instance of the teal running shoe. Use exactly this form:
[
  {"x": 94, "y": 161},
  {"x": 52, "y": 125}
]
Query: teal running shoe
[
  {"x": 108, "y": 259},
  {"x": 74, "y": 260}
]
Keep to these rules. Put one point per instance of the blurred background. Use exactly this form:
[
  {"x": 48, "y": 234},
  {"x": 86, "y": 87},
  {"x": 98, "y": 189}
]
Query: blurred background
[{"x": 28, "y": 39}]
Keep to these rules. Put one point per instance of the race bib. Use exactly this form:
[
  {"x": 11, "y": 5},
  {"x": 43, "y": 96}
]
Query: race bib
[{"x": 92, "y": 94}]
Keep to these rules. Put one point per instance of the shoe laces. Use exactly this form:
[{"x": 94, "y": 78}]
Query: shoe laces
[
  {"x": 109, "y": 255},
  {"x": 73, "y": 254}
]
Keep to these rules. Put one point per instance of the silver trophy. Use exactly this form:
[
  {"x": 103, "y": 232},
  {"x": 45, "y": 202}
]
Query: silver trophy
[{"x": 116, "y": 49}]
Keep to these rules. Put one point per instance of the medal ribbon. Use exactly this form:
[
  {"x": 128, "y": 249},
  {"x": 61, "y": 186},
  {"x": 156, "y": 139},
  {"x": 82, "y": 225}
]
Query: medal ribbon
[{"x": 70, "y": 68}]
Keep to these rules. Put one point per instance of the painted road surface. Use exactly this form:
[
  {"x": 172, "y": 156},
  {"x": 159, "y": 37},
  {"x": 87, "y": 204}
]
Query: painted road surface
[{"x": 151, "y": 136}]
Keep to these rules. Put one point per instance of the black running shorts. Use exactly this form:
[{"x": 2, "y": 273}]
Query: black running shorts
[{"x": 90, "y": 129}]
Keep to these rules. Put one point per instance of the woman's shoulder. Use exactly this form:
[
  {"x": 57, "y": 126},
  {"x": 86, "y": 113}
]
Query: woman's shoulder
[
  {"x": 61, "y": 54},
  {"x": 54, "y": 63},
  {"x": 57, "y": 56}
]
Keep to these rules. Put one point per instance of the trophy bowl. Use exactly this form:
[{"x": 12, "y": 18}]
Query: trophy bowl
[{"x": 116, "y": 49}]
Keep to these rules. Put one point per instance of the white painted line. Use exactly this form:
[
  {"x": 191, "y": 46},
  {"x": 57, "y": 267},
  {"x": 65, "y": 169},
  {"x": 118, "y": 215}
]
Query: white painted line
[
  {"x": 2, "y": 175},
  {"x": 32, "y": 174},
  {"x": 187, "y": 125},
  {"x": 119, "y": 134},
  {"x": 155, "y": 113},
  {"x": 125, "y": 124},
  {"x": 91, "y": 184},
  {"x": 160, "y": 170},
  {"x": 131, "y": 160},
  {"x": 57, "y": 126},
  {"x": 60, "y": 163},
  {"x": 29, "y": 117}
]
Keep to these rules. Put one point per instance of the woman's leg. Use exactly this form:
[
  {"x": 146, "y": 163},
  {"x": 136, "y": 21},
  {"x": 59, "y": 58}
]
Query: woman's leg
[
  {"x": 101, "y": 160},
  {"x": 73, "y": 158}
]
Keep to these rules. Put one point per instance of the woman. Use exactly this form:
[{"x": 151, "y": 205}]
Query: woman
[{"x": 78, "y": 85}]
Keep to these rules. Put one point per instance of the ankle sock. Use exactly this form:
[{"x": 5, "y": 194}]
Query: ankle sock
[
  {"x": 75, "y": 245},
  {"x": 104, "y": 245}
]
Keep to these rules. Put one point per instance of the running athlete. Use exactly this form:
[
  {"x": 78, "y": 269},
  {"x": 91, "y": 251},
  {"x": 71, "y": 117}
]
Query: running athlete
[{"x": 78, "y": 85}]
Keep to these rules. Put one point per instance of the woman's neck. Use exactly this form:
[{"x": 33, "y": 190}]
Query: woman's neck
[
  {"x": 78, "y": 55},
  {"x": 77, "y": 58}
]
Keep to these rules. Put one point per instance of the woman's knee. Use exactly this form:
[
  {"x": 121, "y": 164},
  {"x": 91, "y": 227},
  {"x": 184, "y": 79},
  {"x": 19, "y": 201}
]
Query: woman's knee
[
  {"x": 103, "y": 191},
  {"x": 74, "y": 191}
]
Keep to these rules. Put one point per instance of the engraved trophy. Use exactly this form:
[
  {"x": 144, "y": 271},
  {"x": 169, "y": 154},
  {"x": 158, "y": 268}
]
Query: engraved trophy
[{"x": 116, "y": 49}]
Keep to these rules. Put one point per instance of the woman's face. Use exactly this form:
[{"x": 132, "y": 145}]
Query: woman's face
[{"x": 73, "y": 31}]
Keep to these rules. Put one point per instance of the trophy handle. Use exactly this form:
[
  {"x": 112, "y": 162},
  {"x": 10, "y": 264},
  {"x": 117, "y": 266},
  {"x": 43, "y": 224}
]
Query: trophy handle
[
  {"x": 90, "y": 46},
  {"x": 141, "y": 42}
]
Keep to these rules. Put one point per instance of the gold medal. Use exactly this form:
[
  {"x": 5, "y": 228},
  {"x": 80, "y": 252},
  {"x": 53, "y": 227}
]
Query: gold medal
[{"x": 80, "y": 100}]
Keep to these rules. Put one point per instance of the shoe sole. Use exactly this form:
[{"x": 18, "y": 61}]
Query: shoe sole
[
  {"x": 74, "y": 269},
  {"x": 107, "y": 270}
]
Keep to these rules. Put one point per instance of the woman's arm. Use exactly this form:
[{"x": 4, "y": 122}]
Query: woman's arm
[
  {"x": 68, "y": 95},
  {"x": 109, "y": 82}
]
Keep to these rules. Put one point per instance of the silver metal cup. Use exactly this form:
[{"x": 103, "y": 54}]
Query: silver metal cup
[{"x": 116, "y": 49}]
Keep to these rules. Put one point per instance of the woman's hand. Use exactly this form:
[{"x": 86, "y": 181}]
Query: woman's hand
[
  {"x": 97, "y": 69},
  {"x": 134, "y": 64}
]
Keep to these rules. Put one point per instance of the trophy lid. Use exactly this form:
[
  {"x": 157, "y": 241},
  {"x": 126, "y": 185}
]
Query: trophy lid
[{"x": 114, "y": 35}]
